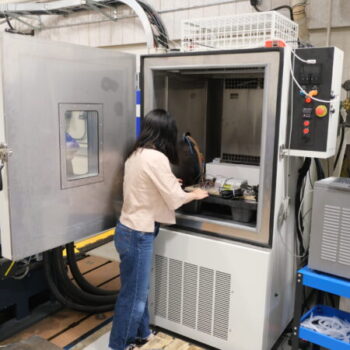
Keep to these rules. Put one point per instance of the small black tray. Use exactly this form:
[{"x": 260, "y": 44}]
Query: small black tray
[{"x": 241, "y": 210}]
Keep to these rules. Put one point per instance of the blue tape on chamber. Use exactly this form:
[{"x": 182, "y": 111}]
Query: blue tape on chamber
[
  {"x": 138, "y": 126},
  {"x": 138, "y": 97}
]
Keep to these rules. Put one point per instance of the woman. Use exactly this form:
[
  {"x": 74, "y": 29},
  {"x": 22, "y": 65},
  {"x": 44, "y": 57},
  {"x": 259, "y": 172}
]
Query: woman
[{"x": 152, "y": 193}]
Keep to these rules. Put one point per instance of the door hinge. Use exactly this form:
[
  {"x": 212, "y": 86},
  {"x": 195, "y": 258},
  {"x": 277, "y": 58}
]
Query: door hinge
[
  {"x": 5, "y": 152},
  {"x": 282, "y": 151}
]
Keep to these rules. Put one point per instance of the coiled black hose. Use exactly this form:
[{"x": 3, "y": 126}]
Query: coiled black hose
[
  {"x": 79, "y": 278},
  {"x": 71, "y": 289},
  {"x": 53, "y": 282}
]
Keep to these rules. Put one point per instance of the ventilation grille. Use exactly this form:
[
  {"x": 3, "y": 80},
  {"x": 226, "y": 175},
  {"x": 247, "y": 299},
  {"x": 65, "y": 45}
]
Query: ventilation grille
[
  {"x": 222, "y": 303},
  {"x": 344, "y": 240},
  {"x": 240, "y": 159},
  {"x": 335, "y": 245},
  {"x": 330, "y": 234},
  {"x": 194, "y": 296},
  {"x": 175, "y": 290},
  {"x": 244, "y": 83},
  {"x": 161, "y": 274},
  {"x": 190, "y": 295}
]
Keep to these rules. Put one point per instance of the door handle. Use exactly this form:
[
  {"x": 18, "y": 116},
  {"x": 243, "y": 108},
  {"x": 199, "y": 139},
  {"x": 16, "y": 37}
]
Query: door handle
[{"x": 5, "y": 153}]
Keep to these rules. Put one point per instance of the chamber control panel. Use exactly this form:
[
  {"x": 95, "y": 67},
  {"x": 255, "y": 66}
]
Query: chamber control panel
[{"x": 314, "y": 123}]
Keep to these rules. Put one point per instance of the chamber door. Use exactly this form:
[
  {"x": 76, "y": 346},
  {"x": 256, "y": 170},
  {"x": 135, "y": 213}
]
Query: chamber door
[{"x": 68, "y": 113}]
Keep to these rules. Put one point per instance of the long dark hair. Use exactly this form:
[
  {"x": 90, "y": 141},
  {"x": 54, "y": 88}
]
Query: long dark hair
[{"x": 158, "y": 131}]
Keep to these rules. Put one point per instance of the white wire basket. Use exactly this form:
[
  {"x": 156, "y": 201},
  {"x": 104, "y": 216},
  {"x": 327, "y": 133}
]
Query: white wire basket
[{"x": 237, "y": 32}]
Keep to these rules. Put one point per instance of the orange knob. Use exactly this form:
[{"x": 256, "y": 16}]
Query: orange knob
[
  {"x": 321, "y": 111},
  {"x": 313, "y": 93}
]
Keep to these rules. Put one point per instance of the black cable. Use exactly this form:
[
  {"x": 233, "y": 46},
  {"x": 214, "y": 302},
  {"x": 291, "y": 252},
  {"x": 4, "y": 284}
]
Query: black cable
[
  {"x": 13, "y": 30},
  {"x": 278, "y": 8},
  {"x": 9, "y": 23},
  {"x": 63, "y": 300},
  {"x": 300, "y": 181},
  {"x": 342, "y": 137},
  {"x": 75, "y": 293},
  {"x": 319, "y": 169},
  {"x": 79, "y": 278}
]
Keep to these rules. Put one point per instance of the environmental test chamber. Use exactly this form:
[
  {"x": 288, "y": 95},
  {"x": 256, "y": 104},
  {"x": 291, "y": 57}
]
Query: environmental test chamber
[{"x": 68, "y": 115}]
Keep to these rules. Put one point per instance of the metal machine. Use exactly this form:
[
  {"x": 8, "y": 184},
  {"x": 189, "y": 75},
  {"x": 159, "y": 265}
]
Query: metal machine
[
  {"x": 228, "y": 283},
  {"x": 223, "y": 282},
  {"x": 330, "y": 235}
]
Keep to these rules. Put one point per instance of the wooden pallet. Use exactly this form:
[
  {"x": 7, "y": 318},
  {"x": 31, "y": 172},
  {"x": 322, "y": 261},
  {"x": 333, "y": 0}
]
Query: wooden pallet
[
  {"x": 167, "y": 342},
  {"x": 65, "y": 326},
  {"x": 160, "y": 341}
]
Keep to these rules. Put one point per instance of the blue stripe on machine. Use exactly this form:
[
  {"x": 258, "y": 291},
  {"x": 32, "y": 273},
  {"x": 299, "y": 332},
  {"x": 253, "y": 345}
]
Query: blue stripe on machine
[
  {"x": 138, "y": 126},
  {"x": 138, "y": 97}
]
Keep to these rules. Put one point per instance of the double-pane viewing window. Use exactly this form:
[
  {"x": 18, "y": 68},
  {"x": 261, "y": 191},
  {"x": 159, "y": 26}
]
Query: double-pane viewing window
[{"x": 80, "y": 138}]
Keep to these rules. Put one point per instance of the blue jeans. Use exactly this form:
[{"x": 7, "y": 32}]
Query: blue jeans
[{"x": 131, "y": 318}]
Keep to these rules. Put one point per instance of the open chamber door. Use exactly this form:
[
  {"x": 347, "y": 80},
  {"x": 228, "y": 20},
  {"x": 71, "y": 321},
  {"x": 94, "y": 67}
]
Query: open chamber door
[{"x": 67, "y": 115}]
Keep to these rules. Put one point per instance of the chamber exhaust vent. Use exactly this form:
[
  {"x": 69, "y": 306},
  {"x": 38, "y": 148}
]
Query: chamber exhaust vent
[
  {"x": 240, "y": 159},
  {"x": 244, "y": 83},
  {"x": 194, "y": 296}
]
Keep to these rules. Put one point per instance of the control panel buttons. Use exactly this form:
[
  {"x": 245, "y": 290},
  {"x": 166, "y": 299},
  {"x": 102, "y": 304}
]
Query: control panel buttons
[
  {"x": 313, "y": 93},
  {"x": 321, "y": 111},
  {"x": 308, "y": 99},
  {"x": 306, "y": 131},
  {"x": 306, "y": 123},
  {"x": 307, "y": 110}
]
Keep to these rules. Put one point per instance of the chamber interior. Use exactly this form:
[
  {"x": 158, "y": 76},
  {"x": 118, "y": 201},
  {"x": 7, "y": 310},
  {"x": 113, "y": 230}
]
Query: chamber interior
[{"x": 222, "y": 109}]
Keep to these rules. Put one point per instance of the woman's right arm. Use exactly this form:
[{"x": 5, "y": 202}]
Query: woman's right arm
[{"x": 157, "y": 167}]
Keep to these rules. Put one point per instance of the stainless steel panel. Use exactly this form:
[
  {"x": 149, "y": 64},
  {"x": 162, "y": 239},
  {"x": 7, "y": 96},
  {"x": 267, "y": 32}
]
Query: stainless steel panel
[
  {"x": 330, "y": 229},
  {"x": 187, "y": 103},
  {"x": 270, "y": 62},
  {"x": 241, "y": 121},
  {"x": 39, "y": 76}
]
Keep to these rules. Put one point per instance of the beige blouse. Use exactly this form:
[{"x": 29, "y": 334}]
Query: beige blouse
[{"x": 152, "y": 193}]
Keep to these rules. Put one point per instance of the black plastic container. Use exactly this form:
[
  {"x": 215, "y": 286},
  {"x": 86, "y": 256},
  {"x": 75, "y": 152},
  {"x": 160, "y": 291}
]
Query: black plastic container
[{"x": 238, "y": 210}]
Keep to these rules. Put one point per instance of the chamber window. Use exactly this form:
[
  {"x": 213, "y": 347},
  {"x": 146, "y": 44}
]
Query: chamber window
[
  {"x": 80, "y": 136},
  {"x": 81, "y": 144}
]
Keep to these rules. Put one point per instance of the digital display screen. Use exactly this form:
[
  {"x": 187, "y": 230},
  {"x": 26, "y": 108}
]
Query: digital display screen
[{"x": 311, "y": 73}]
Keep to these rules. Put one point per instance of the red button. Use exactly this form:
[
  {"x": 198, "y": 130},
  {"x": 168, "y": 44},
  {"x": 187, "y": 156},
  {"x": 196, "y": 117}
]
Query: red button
[
  {"x": 308, "y": 100},
  {"x": 306, "y": 123},
  {"x": 321, "y": 111},
  {"x": 306, "y": 131}
]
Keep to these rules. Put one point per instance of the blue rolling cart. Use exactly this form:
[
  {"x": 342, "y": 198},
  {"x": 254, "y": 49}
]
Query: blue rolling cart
[{"x": 326, "y": 283}]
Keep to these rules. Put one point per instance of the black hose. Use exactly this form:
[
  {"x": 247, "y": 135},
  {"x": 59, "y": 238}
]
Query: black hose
[
  {"x": 71, "y": 289},
  {"x": 285, "y": 7},
  {"x": 340, "y": 147},
  {"x": 342, "y": 137},
  {"x": 79, "y": 278},
  {"x": 319, "y": 170},
  {"x": 64, "y": 301},
  {"x": 9, "y": 23},
  {"x": 278, "y": 8},
  {"x": 302, "y": 174}
]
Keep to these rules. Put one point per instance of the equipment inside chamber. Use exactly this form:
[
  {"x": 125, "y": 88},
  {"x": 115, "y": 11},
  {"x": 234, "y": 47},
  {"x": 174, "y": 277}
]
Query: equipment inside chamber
[{"x": 221, "y": 110}]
